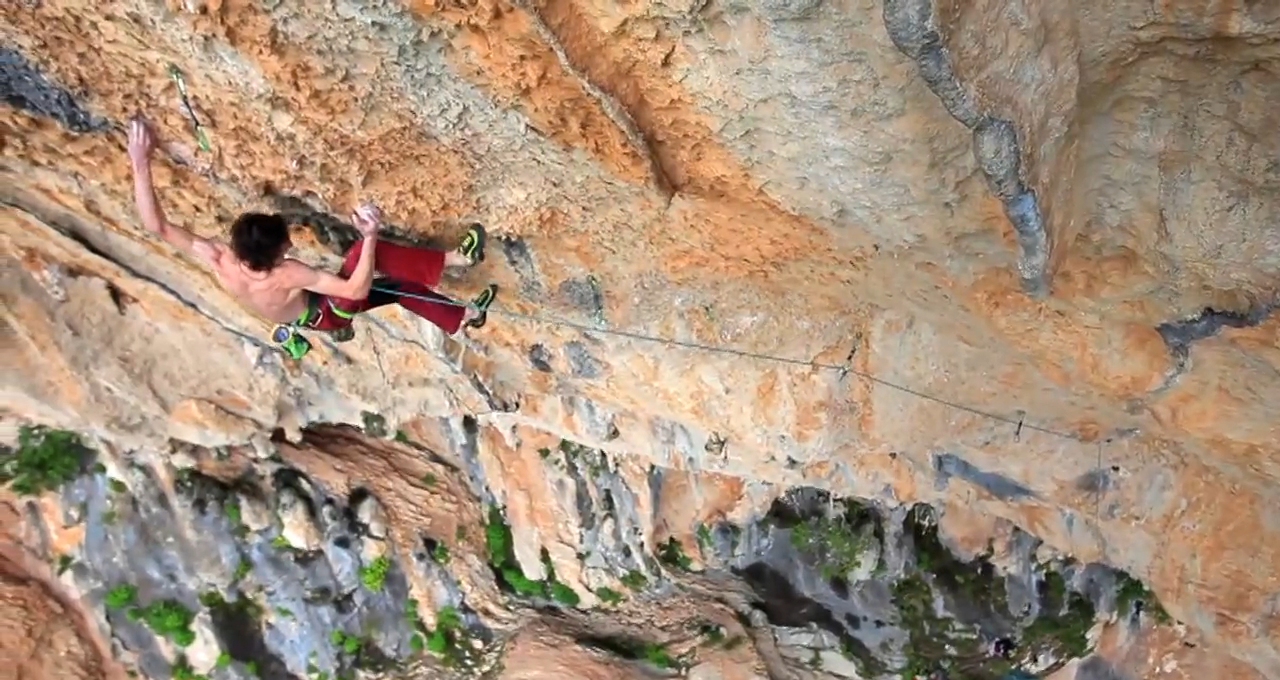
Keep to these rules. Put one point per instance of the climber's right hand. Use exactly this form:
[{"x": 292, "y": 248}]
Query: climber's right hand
[
  {"x": 368, "y": 219},
  {"x": 141, "y": 142}
]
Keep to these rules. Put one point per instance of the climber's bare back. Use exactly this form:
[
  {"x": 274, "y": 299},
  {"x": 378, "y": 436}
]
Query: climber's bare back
[{"x": 275, "y": 295}]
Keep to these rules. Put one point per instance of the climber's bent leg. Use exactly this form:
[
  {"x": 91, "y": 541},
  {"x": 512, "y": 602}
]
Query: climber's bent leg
[
  {"x": 440, "y": 310},
  {"x": 408, "y": 264}
]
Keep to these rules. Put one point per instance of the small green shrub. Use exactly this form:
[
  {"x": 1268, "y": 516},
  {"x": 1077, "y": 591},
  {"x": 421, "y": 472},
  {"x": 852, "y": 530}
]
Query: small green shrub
[
  {"x": 121, "y": 596},
  {"x": 118, "y": 486},
  {"x": 375, "y": 424},
  {"x": 439, "y": 642},
  {"x": 170, "y": 619},
  {"x": 64, "y": 563},
  {"x": 182, "y": 670},
  {"x": 224, "y": 660},
  {"x": 44, "y": 460},
  {"x": 281, "y": 543},
  {"x": 672, "y": 553},
  {"x": 609, "y": 595},
  {"x": 704, "y": 536},
  {"x": 499, "y": 543},
  {"x": 348, "y": 643},
  {"x": 447, "y": 641},
  {"x": 440, "y": 554},
  {"x": 634, "y": 580},
  {"x": 232, "y": 510},
  {"x": 374, "y": 575},
  {"x": 564, "y": 594}
]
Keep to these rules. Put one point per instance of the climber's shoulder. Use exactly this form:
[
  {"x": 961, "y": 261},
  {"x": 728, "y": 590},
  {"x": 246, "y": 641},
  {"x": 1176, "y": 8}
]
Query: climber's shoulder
[
  {"x": 295, "y": 273},
  {"x": 211, "y": 251}
]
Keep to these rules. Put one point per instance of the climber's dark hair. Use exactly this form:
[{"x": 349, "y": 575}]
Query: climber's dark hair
[{"x": 259, "y": 240}]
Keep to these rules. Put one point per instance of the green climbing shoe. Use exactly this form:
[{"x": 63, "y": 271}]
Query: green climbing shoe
[
  {"x": 481, "y": 303},
  {"x": 472, "y": 246}
]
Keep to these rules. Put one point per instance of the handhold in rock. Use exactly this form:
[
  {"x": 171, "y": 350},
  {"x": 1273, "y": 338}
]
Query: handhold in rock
[
  {"x": 370, "y": 514},
  {"x": 297, "y": 525}
]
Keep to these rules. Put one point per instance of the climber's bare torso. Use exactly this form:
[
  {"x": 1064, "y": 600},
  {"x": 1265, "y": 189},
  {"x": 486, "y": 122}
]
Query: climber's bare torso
[{"x": 274, "y": 295}]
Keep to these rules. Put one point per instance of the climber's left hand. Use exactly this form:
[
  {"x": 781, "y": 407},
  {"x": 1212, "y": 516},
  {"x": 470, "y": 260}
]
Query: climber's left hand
[{"x": 141, "y": 141}]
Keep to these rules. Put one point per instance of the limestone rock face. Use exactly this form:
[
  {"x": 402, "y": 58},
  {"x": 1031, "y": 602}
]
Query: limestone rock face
[{"x": 1018, "y": 260}]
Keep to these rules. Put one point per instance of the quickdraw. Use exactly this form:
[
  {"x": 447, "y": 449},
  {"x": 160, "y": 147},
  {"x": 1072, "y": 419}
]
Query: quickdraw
[{"x": 201, "y": 138}]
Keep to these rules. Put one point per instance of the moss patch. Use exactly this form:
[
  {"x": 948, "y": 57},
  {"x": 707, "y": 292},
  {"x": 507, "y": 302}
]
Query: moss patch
[
  {"x": 449, "y": 641},
  {"x": 942, "y": 643},
  {"x": 165, "y": 618},
  {"x": 374, "y": 574},
  {"x": 44, "y": 460},
  {"x": 832, "y": 535},
  {"x": 635, "y": 649},
  {"x": 1133, "y": 598},
  {"x": 672, "y": 554},
  {"x": 1065, "y": 618},
  {"x": 502, "y": 560}
]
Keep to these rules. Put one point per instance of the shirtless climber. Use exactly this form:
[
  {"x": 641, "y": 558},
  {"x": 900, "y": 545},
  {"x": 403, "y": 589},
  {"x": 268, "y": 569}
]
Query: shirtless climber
[{"x": 255, "y": 270}]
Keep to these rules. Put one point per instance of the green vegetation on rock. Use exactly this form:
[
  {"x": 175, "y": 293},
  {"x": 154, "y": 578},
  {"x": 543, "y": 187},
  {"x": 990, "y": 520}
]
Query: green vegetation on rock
[
  {"x": 375, "y": 424},
  {"x": 166, "y": 618},
  {"x": 634, "y": 580},
  {"x": 1064, "y": 621},
  {"x": 182, "y": 670},
  {"x": 837, "y": 543},
  {"x": 349, "y": 644},
  {"x": 501, "y": 549},
  {"x": 672, "y": 554},
  {"x": 242, "y": 570},
  {"x": 170, "y": 619},
  {"x": 608, "y": 595},
  {"x": 44, "y": 460},
  {"x": 940, "y": 582},
  {"x": 1132, "y": 595},
  {"x": 374, "y": 574},
  {"x": 635, "y": 649},
  {"x": 121, "y": 596},
  {"x": 449, "y": 640}
]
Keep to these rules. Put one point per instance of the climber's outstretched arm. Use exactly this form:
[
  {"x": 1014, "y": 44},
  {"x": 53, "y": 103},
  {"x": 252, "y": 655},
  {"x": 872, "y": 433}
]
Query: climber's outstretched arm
[{"x": 141, "y": 144}]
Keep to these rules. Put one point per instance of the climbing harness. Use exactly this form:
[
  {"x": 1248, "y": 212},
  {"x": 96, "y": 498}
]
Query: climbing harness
[
  {"x": 201, "y": 138},
  {"x": 288, "y": 337},
  {"x": 291, "y": 341}
]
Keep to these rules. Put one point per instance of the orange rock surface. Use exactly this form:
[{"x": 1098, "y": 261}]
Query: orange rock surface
[{"x": 775, "y": 178}]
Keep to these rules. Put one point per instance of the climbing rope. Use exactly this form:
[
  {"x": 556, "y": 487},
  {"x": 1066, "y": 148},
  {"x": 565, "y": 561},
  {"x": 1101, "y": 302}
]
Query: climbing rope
[{"x": 1021, "y": 424}]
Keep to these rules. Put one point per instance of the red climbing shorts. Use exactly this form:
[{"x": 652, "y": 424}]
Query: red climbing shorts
[{"x": 406, "y": 270}]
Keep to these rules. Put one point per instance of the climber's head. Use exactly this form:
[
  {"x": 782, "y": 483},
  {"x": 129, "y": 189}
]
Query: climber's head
[{"x": 260, "y": 241}]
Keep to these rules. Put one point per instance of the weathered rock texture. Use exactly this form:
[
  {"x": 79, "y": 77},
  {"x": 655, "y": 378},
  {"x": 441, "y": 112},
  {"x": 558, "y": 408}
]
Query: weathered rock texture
[{"x": 1060, "y": 221}]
